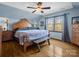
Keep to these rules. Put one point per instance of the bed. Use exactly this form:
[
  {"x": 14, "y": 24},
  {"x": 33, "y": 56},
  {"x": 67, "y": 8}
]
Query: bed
[
  {"x": 29, "y": 35},
  {"x": 32, "y": 36}
]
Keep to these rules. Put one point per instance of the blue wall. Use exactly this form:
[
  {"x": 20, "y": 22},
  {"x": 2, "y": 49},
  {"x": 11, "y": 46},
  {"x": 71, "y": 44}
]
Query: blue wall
[
  {"x": 70, "y": 13},
  {"x": 15, "y": 14}
]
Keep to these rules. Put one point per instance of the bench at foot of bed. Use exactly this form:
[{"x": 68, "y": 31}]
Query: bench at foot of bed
[{"x": 38, "y": 45}]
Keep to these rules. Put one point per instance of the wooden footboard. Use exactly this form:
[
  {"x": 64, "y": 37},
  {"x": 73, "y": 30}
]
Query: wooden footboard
[{"x": 26, "y": 43}]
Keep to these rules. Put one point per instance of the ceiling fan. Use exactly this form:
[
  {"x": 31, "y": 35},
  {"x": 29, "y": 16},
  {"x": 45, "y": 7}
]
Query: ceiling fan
[{"x": 39, "y": 7}]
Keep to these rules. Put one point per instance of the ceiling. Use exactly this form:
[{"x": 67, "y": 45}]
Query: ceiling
[{"x": 55, "y": 6}]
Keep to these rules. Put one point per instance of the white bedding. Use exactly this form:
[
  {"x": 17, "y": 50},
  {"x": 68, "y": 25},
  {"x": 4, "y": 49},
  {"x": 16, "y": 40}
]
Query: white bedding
[{"x": 33, "y": 35}]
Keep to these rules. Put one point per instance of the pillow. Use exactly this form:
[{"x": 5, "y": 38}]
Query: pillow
[{"x": 28, "y": 28}]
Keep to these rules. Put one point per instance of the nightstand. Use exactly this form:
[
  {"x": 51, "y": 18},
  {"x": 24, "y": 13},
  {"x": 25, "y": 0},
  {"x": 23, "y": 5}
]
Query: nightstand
[{"x": 7, "y": 35}]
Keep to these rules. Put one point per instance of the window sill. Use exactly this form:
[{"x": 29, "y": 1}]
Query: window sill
[{"x": 56, "y": 31}]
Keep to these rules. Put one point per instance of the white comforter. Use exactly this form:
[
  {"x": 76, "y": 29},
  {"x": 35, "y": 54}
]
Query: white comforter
[{"x": 33, "y": 35}]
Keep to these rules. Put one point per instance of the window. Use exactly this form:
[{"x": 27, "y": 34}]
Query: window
[
  {"x": 59, "y": 23},
  {"x": 50, "y": 24},
  {"x": 55, "y": 23}
]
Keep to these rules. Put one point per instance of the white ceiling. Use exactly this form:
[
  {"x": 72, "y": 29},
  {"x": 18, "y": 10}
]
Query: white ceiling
[{"x": 55, "y": 6}]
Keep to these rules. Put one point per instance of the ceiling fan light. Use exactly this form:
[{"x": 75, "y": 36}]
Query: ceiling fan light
[{"x": 39, "y": 9}]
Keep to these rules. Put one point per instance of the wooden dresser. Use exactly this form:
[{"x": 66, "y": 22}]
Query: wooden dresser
[
  {"x": 75, "y": 34},
  {"x": 0, "y": 42},
  {"x": 7, "y": 35}
]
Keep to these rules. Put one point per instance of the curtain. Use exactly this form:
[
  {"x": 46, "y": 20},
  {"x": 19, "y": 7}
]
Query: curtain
[{"x": 65, "y": 36}]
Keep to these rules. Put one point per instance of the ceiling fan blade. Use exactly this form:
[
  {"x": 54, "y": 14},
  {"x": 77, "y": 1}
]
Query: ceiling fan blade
[
  {"x": 31, "y": 7},
  {"x": 46, "y": 7},
  {"x": 34, "y": 11},
  {"x": 42, "y": 11}
]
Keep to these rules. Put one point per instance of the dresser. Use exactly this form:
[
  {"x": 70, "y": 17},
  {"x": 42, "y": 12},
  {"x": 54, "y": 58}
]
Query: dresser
[
  {"x": 75, "y": 34},
  {"x": 0, "y": 42},
  {"x": 7, "y": 35}
]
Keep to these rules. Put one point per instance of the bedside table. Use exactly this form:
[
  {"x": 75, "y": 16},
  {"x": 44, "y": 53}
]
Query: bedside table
[{"x": 7, "y": 35}]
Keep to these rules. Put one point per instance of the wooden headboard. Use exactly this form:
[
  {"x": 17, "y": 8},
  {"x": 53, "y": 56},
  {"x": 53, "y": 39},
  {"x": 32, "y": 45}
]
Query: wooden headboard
[{"x": 21, "y": 24}]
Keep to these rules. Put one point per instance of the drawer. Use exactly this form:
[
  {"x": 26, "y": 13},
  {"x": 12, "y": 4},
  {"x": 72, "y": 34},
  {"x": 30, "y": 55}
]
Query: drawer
[
  {"x": 7, "y": 35},
  {"x": 0, "y": 42}
]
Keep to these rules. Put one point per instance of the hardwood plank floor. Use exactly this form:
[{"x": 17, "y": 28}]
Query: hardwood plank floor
[{"x": 56, "y": 48}]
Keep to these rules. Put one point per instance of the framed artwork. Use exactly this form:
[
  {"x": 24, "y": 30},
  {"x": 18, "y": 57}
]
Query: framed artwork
[
  {"x": 41, "y": 23},
  {"x": 75, "y": 20}
]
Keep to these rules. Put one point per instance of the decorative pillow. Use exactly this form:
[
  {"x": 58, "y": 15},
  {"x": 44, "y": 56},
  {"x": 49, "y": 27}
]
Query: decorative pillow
[{"x": 28, "y": 28}]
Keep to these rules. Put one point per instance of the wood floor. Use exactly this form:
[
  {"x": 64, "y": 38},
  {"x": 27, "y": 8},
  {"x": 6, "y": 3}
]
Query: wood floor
[{"x": 56, "y": 48}]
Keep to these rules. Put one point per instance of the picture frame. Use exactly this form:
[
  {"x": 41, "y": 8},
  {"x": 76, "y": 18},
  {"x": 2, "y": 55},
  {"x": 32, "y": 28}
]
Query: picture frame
[
  {"x": 41, "y": 23},
  {"x": 75, "y": 20}
]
